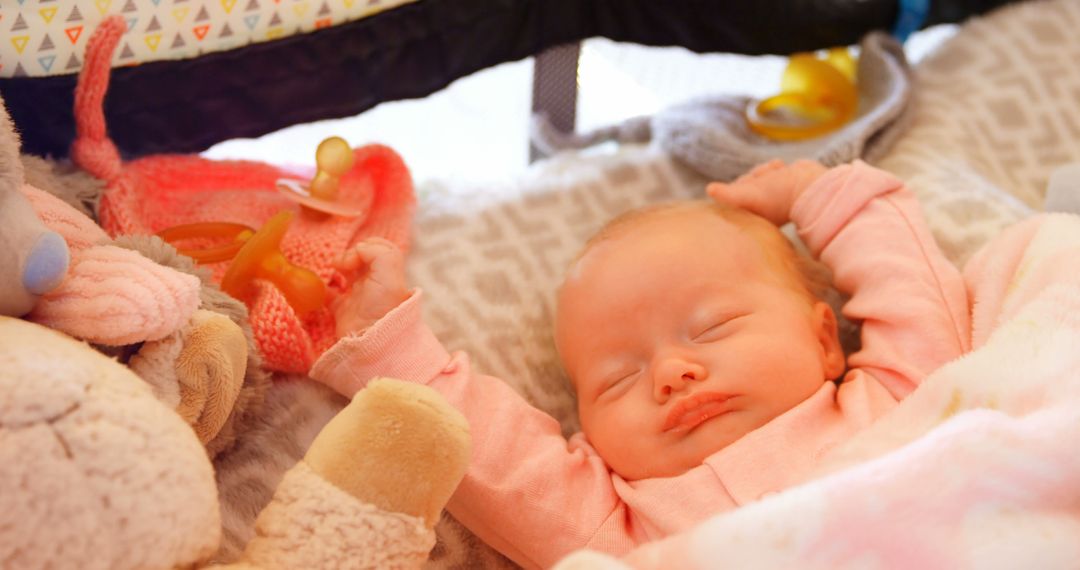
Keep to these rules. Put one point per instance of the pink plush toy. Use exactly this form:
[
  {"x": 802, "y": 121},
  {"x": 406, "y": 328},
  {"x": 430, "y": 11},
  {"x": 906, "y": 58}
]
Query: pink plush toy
[
  {"x": 111, "y": 295},
  {"x": 56, "y": 269}
]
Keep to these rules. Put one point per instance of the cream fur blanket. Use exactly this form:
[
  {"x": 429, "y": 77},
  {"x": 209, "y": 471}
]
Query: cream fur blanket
[{"x": 978, "y": 468}]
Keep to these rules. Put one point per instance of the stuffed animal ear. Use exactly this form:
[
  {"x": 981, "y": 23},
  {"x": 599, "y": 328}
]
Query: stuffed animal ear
[
  {"x": 33, "y": 259},
  {"x": 11, "y": 168}
]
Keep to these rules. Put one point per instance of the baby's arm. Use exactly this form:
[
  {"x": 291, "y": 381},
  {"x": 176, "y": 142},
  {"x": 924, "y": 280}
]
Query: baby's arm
[
  {"x": 867, "y": 227},
  {"x": 527, "y": 492}
]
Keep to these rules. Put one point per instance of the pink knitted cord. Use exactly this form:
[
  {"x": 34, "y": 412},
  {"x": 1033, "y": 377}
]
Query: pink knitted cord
[
  {"x": 147, "y": 195},
  {"x": 92, "y": 150}
]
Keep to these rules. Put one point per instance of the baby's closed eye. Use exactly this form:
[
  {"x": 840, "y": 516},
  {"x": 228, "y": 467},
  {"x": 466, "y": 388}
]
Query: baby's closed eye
[
  {"x": 716, "y": 328},
  {"x": 617, "y": 383}
]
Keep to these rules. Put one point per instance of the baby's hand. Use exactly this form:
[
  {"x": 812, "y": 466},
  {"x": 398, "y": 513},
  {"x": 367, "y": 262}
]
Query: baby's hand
[
  {"x": 379, "y": 267},
  {"x": 770, "y": 189}
]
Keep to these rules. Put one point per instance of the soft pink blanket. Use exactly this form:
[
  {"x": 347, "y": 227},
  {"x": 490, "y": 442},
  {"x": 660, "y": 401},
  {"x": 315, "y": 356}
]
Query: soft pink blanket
[{"x": 978, "y": 468}]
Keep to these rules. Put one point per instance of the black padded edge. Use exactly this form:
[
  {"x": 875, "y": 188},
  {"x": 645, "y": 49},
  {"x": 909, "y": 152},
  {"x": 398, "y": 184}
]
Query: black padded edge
[{"x": 412, "y": 51}]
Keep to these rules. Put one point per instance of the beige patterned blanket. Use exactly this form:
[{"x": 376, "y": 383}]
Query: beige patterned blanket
[{"x": 997, "y": 110}]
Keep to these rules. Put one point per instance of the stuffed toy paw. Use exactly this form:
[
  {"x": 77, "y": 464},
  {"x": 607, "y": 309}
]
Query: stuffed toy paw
[
  {"x": 210, "y": 370},
  {"x": 384, "y": 467},
  {"x": 98, "y": 473},
  {"x": 379, "y": 448},
  {"x": 198, "y": 372}
]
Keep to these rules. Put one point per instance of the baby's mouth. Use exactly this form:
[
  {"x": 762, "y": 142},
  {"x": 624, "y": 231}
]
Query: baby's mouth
[{"x": 692, "y": 411}]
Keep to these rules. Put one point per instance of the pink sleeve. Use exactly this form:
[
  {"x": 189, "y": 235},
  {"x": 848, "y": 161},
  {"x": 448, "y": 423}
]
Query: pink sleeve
[
  {"x": 527, "y": 493},
  {"x": 397, "y": 346},
  {"x": 867, "y": 227}
]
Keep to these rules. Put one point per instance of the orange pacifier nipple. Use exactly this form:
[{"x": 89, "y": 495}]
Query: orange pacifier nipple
[
  {"x": 261, "y": 258},
  {"x": 816, "y": 96},
  {"x": 234, "y": 234},
  {"x": 333, "y": 158}
]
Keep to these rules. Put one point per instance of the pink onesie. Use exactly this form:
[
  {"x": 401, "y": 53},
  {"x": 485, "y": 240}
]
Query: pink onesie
[{"x": 536, "y": 497}]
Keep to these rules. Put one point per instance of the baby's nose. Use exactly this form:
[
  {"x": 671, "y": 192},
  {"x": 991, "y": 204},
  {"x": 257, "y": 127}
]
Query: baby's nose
[{"x": 673, "y": 374}]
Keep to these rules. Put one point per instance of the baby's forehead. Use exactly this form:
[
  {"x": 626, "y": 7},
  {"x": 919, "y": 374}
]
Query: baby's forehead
[
  {"x": 653, "y": 236},
  {"x": 704, "y": 229},
  {"x": 660, "y": 214},
  {"x": 702, "y": 224}
]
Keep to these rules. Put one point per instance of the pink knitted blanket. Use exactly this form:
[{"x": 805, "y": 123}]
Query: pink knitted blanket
[{"x": 147, "y": 195}]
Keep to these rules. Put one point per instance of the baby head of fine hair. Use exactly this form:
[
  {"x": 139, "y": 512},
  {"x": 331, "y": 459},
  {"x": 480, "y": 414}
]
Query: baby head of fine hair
[{"x": 806, "y": 275}]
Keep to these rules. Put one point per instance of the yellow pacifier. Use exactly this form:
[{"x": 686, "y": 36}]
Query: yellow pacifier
[
  {"x": 817, "y": 96},
  {"x": 333, "y": 158},
  {"x": 261, "y": 258},
  {"x": 255, "y": 254}
]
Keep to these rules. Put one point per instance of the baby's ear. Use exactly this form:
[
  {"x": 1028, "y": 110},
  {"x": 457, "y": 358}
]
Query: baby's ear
[{"x": 828, "y": 335}]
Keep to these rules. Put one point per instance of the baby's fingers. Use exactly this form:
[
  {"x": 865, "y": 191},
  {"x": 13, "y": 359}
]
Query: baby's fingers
[
  {"x": 380, "y": 262},
  {"x": 736, "y": 194},
  {"x": 365, "y": 254},
  {"x": 724, "y": 192}
]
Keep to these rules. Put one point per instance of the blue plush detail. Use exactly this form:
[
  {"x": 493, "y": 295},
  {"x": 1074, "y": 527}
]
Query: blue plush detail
[
  {"x": 911, "y": 17},
  {"x": 47, "y": 264}
]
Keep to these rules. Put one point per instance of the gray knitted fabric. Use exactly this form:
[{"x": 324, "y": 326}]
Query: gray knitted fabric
[{"x": 711, "y": 134}]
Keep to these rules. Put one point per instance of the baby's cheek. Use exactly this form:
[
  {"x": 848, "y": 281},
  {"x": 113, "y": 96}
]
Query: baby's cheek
[
  {"x": 618, "y": 426},
  {"x": 602, "y": 422}
]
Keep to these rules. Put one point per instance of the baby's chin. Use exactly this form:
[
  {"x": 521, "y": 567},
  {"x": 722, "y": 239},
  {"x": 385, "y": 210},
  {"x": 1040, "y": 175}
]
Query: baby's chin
[
  {"x": 672, "y": 462},
  {"x": 674, "y": 459},
  {"x": 657, "y": 467}
]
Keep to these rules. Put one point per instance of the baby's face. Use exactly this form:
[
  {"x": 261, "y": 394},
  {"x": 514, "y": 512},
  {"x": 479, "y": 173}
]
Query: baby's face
[{"x": 681, "y": 338}]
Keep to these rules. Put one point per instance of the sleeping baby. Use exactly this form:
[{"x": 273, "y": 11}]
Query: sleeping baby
[{"x": 708, "y": 369}]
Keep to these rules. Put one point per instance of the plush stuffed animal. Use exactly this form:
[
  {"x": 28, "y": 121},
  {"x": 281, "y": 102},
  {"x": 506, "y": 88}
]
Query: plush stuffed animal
[
  {"x": 210, "y": 370},
  {"x": 97, "y": 473},
  {"x": 108, "y": 295},
  {"x": 135, "y": 298},
  {"x": 179, "y": 333},
  {"x": 111, "y": 295},
  {"x": 33, "y": 259}
]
